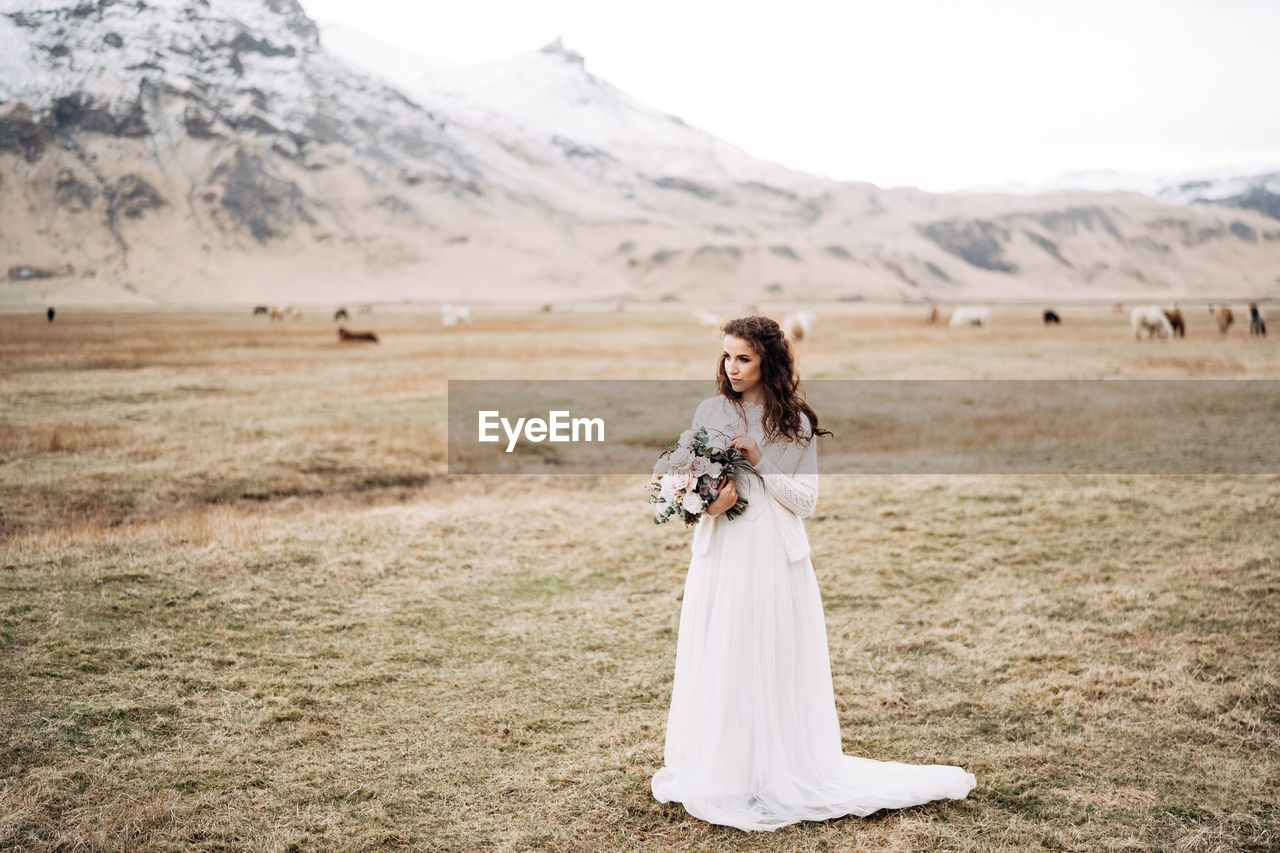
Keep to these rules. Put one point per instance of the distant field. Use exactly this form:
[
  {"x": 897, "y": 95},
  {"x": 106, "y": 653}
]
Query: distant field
[{"x": 243, "y": 605}]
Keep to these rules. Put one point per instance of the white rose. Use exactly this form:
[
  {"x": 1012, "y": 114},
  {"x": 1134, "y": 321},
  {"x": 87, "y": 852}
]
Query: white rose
[
  {"x": 680, "y": 459},
  {"x": 681, "y": 480},
  {"x": 661, "y": 466},
  {"x": 714, "y": 470},
  {"x": 667, "y": 488},
  {"x": 692, "y": 503},
  {"x": 686, "y": 438},
  {"x": 699, "y": 466}
]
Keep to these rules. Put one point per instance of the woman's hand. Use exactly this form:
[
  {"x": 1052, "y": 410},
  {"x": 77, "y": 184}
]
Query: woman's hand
[
  {"x": 727, "y": 498},
  {"x": 748, "y": 447}
]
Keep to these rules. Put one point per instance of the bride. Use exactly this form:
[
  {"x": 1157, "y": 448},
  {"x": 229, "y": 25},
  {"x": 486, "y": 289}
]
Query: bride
[{"x": 752, "y": 736}]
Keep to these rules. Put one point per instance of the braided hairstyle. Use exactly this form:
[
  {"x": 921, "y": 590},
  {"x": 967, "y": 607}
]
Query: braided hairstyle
[{"x": 783, "y": 400}]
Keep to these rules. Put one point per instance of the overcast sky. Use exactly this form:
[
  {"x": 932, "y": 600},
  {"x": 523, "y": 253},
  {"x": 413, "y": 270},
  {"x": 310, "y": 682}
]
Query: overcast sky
[{"x": 940, "y": 94}]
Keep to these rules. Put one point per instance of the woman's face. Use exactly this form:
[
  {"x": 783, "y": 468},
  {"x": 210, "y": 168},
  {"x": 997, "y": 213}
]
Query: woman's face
[{"x": 741, "y": 364}]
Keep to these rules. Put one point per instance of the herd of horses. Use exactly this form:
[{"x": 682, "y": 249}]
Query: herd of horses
[
  {"x": 1150, "y": 321},
  {"x": 281, "y": 313},
  {"x": 450, "y": 315},
  {"x": 1146, "y": 321}
]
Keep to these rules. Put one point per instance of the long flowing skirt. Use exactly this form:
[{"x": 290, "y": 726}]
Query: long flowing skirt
[{"x": 753, "y": 740}]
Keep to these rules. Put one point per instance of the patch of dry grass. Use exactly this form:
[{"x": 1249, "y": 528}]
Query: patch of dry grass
[{"x": 257, "y": 614}]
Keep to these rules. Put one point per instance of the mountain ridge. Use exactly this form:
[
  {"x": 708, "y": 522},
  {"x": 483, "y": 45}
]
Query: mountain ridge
[{"x": 176, "y": 150}]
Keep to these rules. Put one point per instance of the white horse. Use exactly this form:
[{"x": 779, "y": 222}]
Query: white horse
[
  {"x": 970, "y": 315},
  {"x": 1151, "y": 321},
  {"x": 452, "y": 315},
  {"x": 799, "y": 325}
]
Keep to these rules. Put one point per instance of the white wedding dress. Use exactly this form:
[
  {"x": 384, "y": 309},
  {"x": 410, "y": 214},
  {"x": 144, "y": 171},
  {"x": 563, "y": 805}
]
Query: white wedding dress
[{"x": 753, "y": 740}]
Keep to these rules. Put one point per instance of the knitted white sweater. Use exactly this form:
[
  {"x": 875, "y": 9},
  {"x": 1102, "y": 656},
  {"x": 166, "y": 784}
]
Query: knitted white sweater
[{"x": 789, "y": 471}]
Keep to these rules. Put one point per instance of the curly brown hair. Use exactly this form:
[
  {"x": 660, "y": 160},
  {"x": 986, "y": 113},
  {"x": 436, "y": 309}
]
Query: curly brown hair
[{"x": 783, "y": 400}]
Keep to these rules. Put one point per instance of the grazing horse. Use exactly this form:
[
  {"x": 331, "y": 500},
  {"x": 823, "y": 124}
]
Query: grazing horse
[
  {"x": 1176, "y": 322},
  {"x": 1151, "y": 321},
  {"x": 1257, "y": 320},
  {"x": 259, "y": 309},
  {"x": 1051, "y": 317},
  {"x": 798, "y": 326},
  {"x": 356, "y": 337},
  {"x": 341, "y": 314},
  {"x": 452, "y": 315},
  {"x": 51, "y": 312},
  {"x": 1223, "y": 315},
  {"x": 970, "y": 315}
]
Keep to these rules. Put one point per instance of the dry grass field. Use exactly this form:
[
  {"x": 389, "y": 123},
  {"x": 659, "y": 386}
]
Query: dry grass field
[{"x": 244, "y": 606}]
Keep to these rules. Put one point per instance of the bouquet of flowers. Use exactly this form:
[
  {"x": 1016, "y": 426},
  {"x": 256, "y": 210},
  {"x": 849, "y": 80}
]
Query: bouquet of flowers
[{"x": 686, "y": 474}]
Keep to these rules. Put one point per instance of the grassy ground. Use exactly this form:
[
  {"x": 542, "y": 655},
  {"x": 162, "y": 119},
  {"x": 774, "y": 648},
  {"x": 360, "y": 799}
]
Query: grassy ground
[{"x": 244, "y": 607}]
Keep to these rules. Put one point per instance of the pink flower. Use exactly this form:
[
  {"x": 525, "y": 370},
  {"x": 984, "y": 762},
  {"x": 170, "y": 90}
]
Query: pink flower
[
  {"x": 700, "y": 465},
  {"x": 680, "y": 459},
  {"x": 681, "y": 481}
]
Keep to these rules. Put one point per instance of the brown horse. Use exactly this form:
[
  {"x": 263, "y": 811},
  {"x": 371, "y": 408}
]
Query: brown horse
[
  {"x": 1177, "y": 322},
  {"x": 356, "y": 337},
  {"x": 1222, "y": 314}
]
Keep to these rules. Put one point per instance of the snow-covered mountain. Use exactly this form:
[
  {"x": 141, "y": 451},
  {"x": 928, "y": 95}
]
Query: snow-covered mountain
[
  {"x": 219, "y": 150},
  {"x": 592, "y": 122},
  {"x": 1255, "y": 187},
  {"x": 1257, "y": 190}
]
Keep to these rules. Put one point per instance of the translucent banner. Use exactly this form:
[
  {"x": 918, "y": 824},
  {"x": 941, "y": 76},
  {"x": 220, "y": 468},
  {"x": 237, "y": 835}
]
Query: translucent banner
[{"x": 1177, "y": 426}]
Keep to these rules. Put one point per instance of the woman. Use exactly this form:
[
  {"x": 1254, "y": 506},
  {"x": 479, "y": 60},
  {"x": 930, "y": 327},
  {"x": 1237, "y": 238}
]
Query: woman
[{"x": 752, "y": 736}]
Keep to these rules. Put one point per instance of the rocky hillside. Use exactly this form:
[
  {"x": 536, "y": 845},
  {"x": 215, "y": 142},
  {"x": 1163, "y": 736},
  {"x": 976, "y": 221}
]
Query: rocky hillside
[{"x": 215, "y": 150}]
